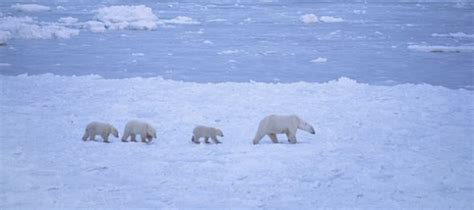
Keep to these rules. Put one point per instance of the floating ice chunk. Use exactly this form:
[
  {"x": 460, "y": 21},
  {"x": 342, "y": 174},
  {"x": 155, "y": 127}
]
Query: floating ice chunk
[
  {"x": 356, "y": 11},
  {"x": 437, "y": 48},
  {"x": 138, "y": 54},
  {"x": 68, "y": 20},
  {"x": 454, "y": 35},
  {"x": 4, "y": 64},
  {"x": 207, "y": 42},
  {"x": 181, "y": 20},
  {"x": 331, "y": 19},
  {"x": 217, "y": 20},
  {"x": 95, "y": 26},
  {"x": 4, "y": 37},
  {"x": 309, "y": 18},
  {"x": 228, "y": 52},
  {"x": 30, "y": 7},
  {"x": 138, "y": 17},
  {"x": 319, "y": 60},
  {"x": 27, "y": 28}
]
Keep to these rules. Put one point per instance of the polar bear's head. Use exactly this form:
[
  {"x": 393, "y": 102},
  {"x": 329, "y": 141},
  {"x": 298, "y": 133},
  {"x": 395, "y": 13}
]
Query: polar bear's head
[
  {"x": 219, "y": 133},
  {"x": 303, "y": 125},
  {"x": 150, "y": 132},
  {"x": 115, "y": 132}
]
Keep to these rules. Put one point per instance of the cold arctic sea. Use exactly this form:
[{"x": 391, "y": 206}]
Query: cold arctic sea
[{"x": 375, "y": 43}]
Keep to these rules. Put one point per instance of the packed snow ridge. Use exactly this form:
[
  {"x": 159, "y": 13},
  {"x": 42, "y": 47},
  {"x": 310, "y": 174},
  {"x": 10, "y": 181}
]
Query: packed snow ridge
[{"x": 30, "y": 7}]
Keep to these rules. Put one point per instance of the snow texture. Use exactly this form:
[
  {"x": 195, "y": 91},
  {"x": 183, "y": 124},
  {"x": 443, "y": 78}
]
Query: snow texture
[
  {"x": 30, "y": 7},
  {"x": 436, "y": 48},
  {"x": 391, "y": 147},
  {"x": 139, "y": 17}
]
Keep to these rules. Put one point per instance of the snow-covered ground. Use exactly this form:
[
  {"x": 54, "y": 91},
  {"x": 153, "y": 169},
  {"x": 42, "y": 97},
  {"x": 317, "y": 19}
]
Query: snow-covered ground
[{"x": 392, "y": 147}]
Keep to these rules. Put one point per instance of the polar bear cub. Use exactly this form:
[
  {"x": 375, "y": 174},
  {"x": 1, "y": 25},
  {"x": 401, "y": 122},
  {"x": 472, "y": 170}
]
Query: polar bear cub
[
  {"x": 99, "y": 128},
  {"x": 206, "y": 133},
  {"x": 135, "y": 127},
  {"x": 275, "y": 124}
]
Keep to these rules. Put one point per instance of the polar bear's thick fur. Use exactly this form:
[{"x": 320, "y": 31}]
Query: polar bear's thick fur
[
  {"x": 99, "y": 128},
  {"x": 135, "y": 127},
  {"x": 275, "y": 124},
  {"x": 206, "y": 133}
]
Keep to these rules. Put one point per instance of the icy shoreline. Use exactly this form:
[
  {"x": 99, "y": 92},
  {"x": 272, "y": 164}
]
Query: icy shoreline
[{"x": 403, "y": 146}]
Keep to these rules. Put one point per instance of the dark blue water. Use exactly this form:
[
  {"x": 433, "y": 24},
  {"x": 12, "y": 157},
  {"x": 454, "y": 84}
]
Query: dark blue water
[{"x": 260, "y": 42}]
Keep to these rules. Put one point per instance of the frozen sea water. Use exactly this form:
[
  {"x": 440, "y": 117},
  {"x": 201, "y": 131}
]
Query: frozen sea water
[{"x": 267, "y": 42}]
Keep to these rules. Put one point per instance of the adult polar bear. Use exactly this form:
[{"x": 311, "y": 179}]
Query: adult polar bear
[{"x": 275, "y": 124}]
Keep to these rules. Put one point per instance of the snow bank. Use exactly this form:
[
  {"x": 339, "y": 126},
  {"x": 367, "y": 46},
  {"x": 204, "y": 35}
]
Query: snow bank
[
  {"x": 435, "y": 48},
  {"x": 331, "y": 19},
  {"x": 30, "y": 7},
  {"x": 309, "y": 18},
  {"x": 180, "y": 20},
  {"x": 127, "y": 17},
  {"x": 28, "y": 28},
  {"x": 390, "y": 147},
  {"x": 454, "y": 35}
]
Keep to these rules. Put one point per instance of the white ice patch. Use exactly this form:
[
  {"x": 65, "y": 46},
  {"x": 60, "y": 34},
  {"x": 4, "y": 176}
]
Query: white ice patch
[
  {"x": 309, "y": 18},
  {"x": 454, "y": 35},
  {"x": 28, "y": 28},
  {"x": 30, "y": 7},
  {"x": 226, "y": 52},
  {"x": 95, "y": 26},
  {"x": 121, "y": 17},
  {"x": 319, "y": 60},
  {"x": 4, "y": 37},
  {"x": 68, "y": 20},
  {"x": 331, "y": 19},
  {"x": 180, "y": 20},
  {"x": 437, "y": 48}
]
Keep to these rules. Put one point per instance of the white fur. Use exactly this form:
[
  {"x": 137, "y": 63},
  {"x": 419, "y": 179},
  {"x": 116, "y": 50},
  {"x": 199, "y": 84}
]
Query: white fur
[
  {"x": 275, "y": 124},
  {"x": 135, "y": 127},
  {"x": 99, "y": 128},
  {"x": 206, "y": 133}
]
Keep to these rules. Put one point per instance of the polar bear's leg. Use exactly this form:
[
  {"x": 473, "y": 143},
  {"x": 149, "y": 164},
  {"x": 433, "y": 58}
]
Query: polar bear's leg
[
  {"x": 195, "y": 140},
  {"x": 206, "y": 140},
  {"x": 143, "y": 137},
  {"x": 273, "y": 137},
  {"x": 92, "y": 137},
  {"x": 105, "y": 136},
  {"x": 214, "y": 138},
  {"x": 291, "y": 138},
  {"x": 125, "y": 136},
  {"x": 134, "y": 136}
]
